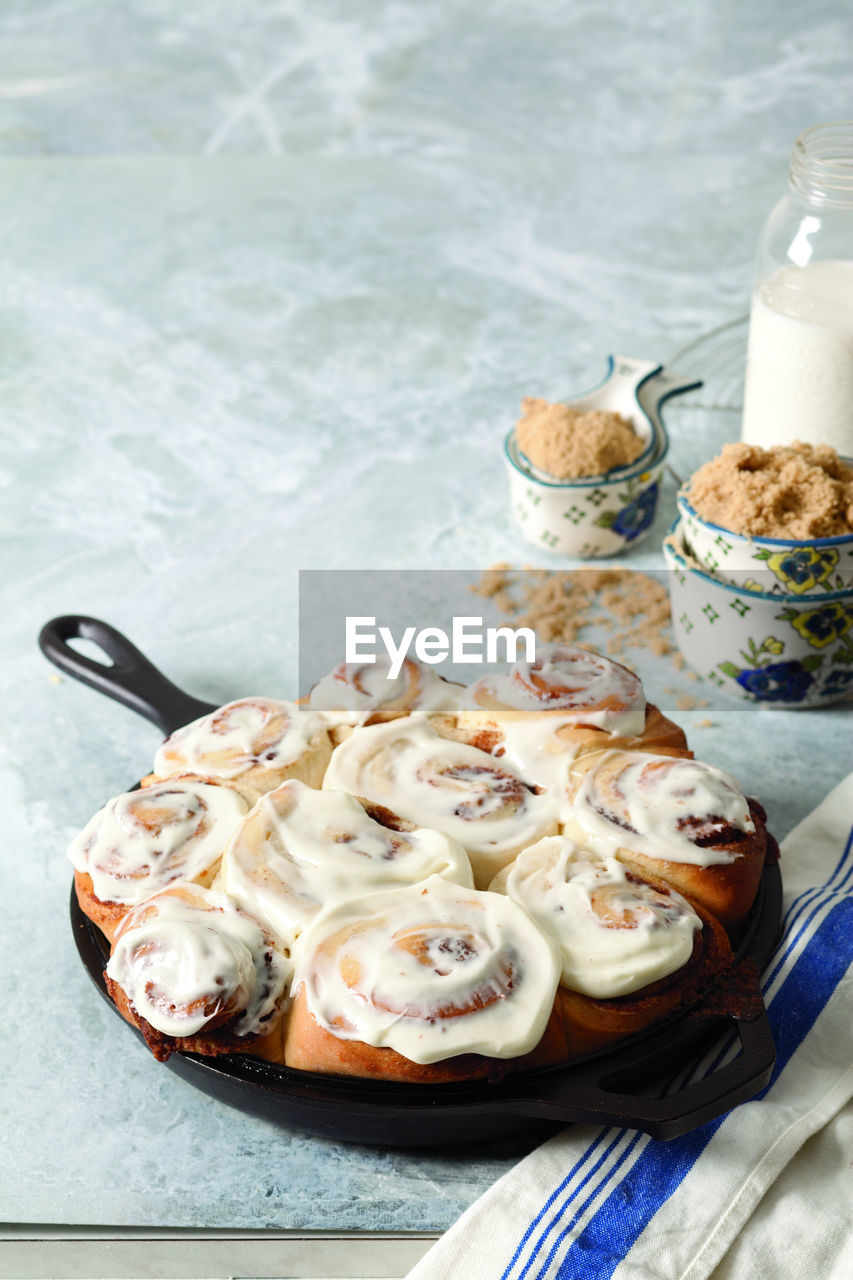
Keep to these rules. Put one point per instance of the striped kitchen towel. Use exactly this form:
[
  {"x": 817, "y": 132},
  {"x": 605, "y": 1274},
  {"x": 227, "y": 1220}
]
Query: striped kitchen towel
[{"x": 597, "y": 1203}]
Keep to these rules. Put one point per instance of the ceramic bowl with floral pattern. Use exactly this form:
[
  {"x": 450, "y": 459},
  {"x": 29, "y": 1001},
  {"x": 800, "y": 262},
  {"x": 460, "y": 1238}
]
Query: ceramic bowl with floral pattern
[
  {"x": 793, "y": 650},
  {"x": 599, "y": 516},
  {"x": 782, "y": 566},
  {"x": 607, "y": 514}
]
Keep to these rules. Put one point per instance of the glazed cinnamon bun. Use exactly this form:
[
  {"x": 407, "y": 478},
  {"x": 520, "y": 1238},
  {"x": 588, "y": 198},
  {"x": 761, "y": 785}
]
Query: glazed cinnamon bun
[
  {"x": 355, "y": 693},
  {"x": 616, "y": 933},
  {"x": 539, "y": 716},
  {"x": 447, "y": 785},
  {"x": 632, "y": 949},
  {"x": 681, "y": 820},
  {"x": 192, "y": 972},
  {"x": 581, "y": 686},
  {"x": 300, "y": 850},
  {"x": 144, "y": 840},
  {"x": 255, "y": 743},
  {"x": 425, "y": 983}
]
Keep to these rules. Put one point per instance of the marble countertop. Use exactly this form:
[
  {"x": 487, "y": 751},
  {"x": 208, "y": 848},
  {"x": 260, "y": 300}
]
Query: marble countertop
[{"x": 273, "y": 287}]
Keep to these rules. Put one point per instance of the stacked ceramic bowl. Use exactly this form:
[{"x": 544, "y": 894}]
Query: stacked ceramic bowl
[
  {"x": 768, "y": 620},
  {"x": 607, "y": 514}
]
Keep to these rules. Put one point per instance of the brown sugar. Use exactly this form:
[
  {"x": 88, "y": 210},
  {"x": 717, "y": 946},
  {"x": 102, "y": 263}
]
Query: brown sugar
[
  {"x": 563, "y": 605},
  {"x": 569, "y": 443},
  {"x": 798, "y": 491}
]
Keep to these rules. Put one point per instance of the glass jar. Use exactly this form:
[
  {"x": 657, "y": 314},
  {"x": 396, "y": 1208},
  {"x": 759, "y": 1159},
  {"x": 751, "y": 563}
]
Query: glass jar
[{"x": 799, "y": 368}]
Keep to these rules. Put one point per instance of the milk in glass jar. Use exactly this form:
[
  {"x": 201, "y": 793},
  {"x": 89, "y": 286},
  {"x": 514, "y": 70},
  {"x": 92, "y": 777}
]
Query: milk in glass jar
[{"x": 799, "y": 368}]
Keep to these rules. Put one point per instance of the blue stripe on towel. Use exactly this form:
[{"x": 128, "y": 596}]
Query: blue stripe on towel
[
  {"x": 587, "y": 1155},
  {"x": 594, "y": 1191},
  {"x": 626, "y": 1212}
]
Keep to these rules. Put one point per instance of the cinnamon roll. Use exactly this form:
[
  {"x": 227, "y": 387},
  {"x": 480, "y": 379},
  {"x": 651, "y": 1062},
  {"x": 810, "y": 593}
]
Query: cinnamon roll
[
  {"x": 581, "y": 686},
  {"x": 300, "y": 850},
  {"x": 633, "y": 950},
  {"x": 425, "y": 983},
  {"x": 447, "y": 785},
  {"x": 357, "y": 693},
  {"x": 256, "y": 743},
  {"x": 616, "y": 933},
  {"x": 142, "y": 841},
  {"x": 540, "y": 715},
  {"x": 681, "y": 820},
  {"x": 192, "y": 972}
]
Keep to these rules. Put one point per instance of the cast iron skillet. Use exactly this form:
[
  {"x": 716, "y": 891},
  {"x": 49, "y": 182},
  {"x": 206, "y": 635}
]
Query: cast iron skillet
[{"x": 622, "y": 1086}]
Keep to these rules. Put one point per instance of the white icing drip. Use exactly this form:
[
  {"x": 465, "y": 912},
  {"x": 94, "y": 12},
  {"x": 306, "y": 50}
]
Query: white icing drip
[
  {"x": 657, "y": 796},
  {"x": 353, "y": 692},
  {"x": 143, "y": 840},
  {"x": 300, "y": 850},
  {"x": 615, "y": 935},
  {"x": 431, "y": 970},
  {"x": 533, "y": 748},
  {"x": 448, "y": 785},
  {"x": 248, "y": 733},
  {"x": 586, "y": 688},
  {"x": 192, "y": 955}
]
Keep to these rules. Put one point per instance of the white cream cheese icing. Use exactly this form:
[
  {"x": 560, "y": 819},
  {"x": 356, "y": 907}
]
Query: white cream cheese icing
[
  {"x": 353, "y": 692},
  {"x": 266, "y": 733},
  {"x": 581, "y": 686},
  {"x": 431, "y": 970},
  {"x": 301, "y": 849},
  {"x": 143, "y": 840},
  {"x": 615, "y": 933},
  {"x": 185, "y": 956},
  {"x": 535, "y": 751},
  {"x": 444, "y": 784},
  {"x": 653, "y": 805}
]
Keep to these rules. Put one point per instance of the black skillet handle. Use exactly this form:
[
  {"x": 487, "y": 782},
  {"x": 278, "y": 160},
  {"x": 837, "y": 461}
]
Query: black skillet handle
[
  {"x": 129, "y": 678},
  {"x": 602, "y": 1096}
]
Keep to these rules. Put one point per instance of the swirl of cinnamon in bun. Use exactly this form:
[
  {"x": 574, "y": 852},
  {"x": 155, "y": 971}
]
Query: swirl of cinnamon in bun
[
  {"x": 356, "y": 693},
  {"x": 616, "y": 932},
  {"x": 257, "y": 743},
  {"x": 583, "y": 687},
  {"x": 430, "y": 971},
  {"x": 691, "y": 811},
  {"x": 569, "y": 702},
  {"x": 193, "y": 972},
  {"x": 142, "y": 841},
  {"x": 447, "y": 785},
  {"x": 300, "y": 850},
  {"x": 634, "y": 951},
  {"x": 683, "y": 820}
]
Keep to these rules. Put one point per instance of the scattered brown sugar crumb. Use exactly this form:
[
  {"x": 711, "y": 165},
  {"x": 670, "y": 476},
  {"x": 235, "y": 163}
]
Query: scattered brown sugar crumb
[
  {"x": 569, "y": 443},
  {"x": 564, "y": 604},
  {"x": 686, "y": 702},
  {"x": 705, "y": 723},
  {"x": 797, "y": 491}
]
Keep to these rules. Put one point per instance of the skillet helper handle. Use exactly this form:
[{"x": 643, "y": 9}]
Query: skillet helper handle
[
  {"x": 602, "y": 1096},
  {"x": 129, "y": 678}
]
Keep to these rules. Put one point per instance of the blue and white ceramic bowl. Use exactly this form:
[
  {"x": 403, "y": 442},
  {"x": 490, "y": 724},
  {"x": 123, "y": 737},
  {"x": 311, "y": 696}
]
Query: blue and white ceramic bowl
[
  {"x": 601, "y": 516},
  {"x": 781, "y": 566},
  {"x": 608, "y": 514},
  {"x": 793, "y": 650}
]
